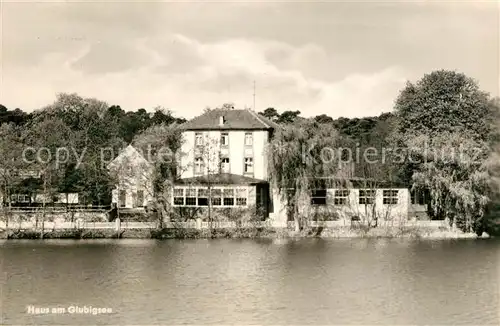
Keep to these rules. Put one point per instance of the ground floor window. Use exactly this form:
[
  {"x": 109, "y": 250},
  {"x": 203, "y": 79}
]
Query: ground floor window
[
  {"x": 366, "y": 197},
  {"x": 179, "y": 197},
  {"x": 218, "y": 196},
  {"x": 419, "y": 197},
  {"x": 241, "y": 196},
  {"x": 318, "y": 197},
  {"x": 390, "y": 197},
  {"x": 341, "y": 196},
  {"x": 20, "y": 198}
]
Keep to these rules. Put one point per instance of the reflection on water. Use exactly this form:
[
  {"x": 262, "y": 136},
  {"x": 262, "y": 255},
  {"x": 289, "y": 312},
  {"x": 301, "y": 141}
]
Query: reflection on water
[{"x": 308, "y": 281}]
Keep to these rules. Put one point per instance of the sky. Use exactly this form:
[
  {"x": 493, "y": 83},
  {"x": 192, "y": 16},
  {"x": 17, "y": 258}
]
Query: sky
[{"x": 338, "y": 58}]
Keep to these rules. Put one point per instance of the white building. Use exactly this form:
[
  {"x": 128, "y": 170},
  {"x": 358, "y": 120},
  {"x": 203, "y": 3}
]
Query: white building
[
  {"x": 134, "y": 179},
  {"x": 225, "y": 150}
]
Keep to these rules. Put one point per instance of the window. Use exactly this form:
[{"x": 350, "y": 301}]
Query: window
[
  {"x": 190, "y": 197},
  {"x": 241, "y": 197},
  {"x": 198, "y": 165},
  {"x": 202, "y": 197},
  {"x": 224, "y": 139},
  {"x": 216, "y": 197},
  {"x": 390, "y": 197},
  {"x": 122, "y": 198},
  {"x": 198, "y": 139},
  {"x": 248, "y": 165},
  {"x": 318, "y": 197},
  {"x": 341, "y": 196},
  {"x": 419, "y": 197},
  {"x": 178, "y": 196},
  {"x": 228, "y": 197},
  {"x": 248, "y": 139},
  {"x": 224, "y": 165},
  {"x": 140, "y": 198},
  {"x": 19, "y": 198},
  {"x": 366, "y": 197}
]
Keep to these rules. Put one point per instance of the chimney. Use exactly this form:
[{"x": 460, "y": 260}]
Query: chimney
[{"x": 221, "y": 120}]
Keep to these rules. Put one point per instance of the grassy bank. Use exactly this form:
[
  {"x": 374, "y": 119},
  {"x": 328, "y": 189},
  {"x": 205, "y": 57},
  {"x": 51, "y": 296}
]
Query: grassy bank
[{"x": 184, "y": 233}]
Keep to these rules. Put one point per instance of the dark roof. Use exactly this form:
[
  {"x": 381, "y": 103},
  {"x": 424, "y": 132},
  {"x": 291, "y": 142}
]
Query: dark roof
[
  {"x": 233, "y": 119},
  {"x": 221, "y": 179}
]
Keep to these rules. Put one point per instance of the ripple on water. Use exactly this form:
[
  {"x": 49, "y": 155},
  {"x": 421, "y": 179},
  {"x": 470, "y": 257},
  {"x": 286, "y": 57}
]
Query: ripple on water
[{"x": 308, "y": 281}]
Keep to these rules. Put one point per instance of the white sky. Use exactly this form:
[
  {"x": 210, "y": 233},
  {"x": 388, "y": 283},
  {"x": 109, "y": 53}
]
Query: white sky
[{"x": 338, "y": 58}]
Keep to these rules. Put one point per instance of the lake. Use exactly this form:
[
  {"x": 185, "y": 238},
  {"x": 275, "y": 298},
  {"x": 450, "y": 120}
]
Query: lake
[{"x": 307, "y": 281}]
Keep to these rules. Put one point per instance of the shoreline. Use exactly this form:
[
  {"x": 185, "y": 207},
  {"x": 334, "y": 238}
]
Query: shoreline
[{"x": 242, "y": 233}]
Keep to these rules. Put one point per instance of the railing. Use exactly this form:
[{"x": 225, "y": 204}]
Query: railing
[
  {"x": 79, "y": 224},
  {"x": 344, "y": 222},
  {"x": 57, "y": 209},
  {"x": 128, "y": 225}
]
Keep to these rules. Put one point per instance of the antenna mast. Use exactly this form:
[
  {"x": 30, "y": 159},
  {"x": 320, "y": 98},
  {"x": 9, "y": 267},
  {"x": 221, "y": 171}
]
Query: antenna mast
[{"x": 254, "y": 95}]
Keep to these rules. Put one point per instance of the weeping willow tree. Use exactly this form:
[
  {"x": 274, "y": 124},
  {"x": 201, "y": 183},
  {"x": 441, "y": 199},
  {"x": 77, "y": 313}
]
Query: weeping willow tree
[
  {"x": 457, "y": 171},
  {"x": 161, "y": 146},
  {"x": 299, "y": 155}
]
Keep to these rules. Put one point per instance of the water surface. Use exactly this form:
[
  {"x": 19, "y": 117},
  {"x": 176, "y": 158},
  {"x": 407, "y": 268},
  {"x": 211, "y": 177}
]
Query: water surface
[{"x": 309, "y": 281}]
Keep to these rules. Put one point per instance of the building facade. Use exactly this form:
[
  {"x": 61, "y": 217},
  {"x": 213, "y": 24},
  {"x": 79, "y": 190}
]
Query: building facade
[
  {"x": 355, "y": 202},
  {"x": 224, "y": 161}
]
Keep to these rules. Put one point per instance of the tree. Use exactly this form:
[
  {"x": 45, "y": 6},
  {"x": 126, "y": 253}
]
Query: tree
[
  {"x": 445, "y": 101},
  {"x": 270, "y": 113},
  {"x": 455, "y": 171},
  {"x": 17, "y": 116},
  {"x": 10, "y": 153},
  {"x": 323, "y": 118},
  {"x": 161, "y": 146},
  {"x": 209, "y": 154},
  {"x": 94, "y": 129},
  {"x": 47, "y": 136},
  {"x": 297, "y": 162},
  {"x": 288, "y": 116},
  {"x": 445, "y": 112}
]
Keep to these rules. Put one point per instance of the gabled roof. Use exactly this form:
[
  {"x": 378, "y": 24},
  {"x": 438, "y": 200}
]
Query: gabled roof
[
  {"x": 221, "y": 179},
  {"x": 233, "y": 120},
  {"x": 129, "y": 155}
]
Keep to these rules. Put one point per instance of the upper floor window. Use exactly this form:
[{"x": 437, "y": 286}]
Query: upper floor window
[
  {"x": 198, "y": 139},
  {"x": 224, "y": 165},
  {"x": 390, "y": 197},
  {"x": 198, "y": 165},
  {"x": 224, "y": 139},
  {"x": 248, "y": 139},
  {"x": 366, "y": 197},
  {"x": 248, "y": 165}
]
